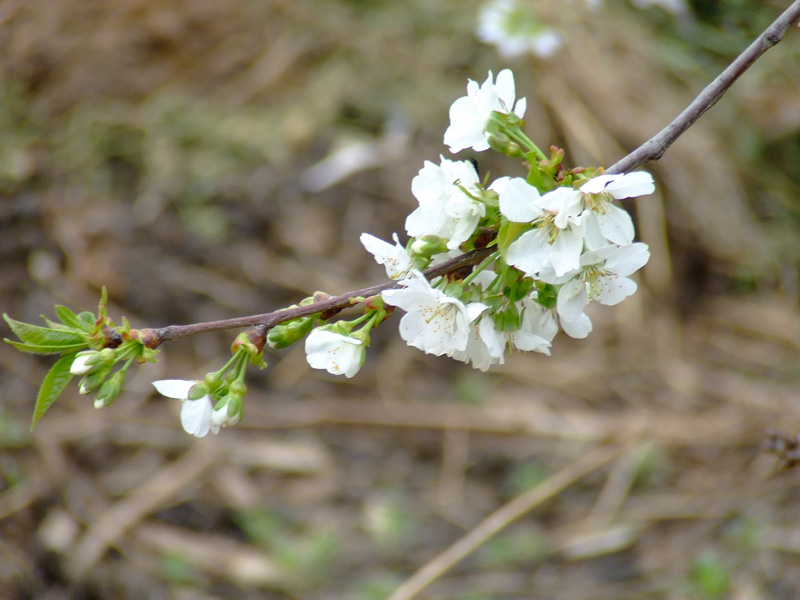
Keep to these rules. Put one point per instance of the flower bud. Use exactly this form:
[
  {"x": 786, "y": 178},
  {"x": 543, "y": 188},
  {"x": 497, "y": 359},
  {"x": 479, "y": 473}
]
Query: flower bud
[
  {"x": 109, "y": 390},
  {"x": 93, "y": 380},
  {"x": 500, "y": 142},
  {"x": 428, "y": 245},
  {"x": 286, "y": 334},
  {"x": 89, "y": 361}
]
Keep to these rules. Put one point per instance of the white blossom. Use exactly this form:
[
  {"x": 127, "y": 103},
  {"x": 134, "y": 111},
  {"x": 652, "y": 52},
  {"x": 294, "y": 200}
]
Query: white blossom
[
  {"x": 544, "y": 246},
  {"x": 395, "y": 259},
  {"x": 221, "y": 418},
  {"x": 485, "y": 346},
  {"x": 604, "y": 222},
  {"x": 195, "y": 414},
  {"x": 515, "y": 30},
  {"x": 338, "y": 354},
  {"x": 446, "y": 210},
  {"x": 434, "y": 322},
  {"x": 469, "y": 114},
  {"x": 603, "y": 276},
  {"x": 537, "y": 329}
]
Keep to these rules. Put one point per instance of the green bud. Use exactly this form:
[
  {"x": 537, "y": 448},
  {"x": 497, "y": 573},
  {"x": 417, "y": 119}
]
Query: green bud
[
  {"x": 197, "y": 391},
  {"x": 428, "y": 245},
  {"x": 93, "y": 381},
  {"x": 500, "y": 142},
  {"x": 109, "y": 389},
  {"x": 286, "y": 334}
]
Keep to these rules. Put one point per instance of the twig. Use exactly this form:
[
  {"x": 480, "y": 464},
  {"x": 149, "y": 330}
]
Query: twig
[
  {"x": 332, "y": 303},
  {"x": 649, "y": 151},
  {"x": 500, "y": 519},
  {"x": 654, "y": 148}
]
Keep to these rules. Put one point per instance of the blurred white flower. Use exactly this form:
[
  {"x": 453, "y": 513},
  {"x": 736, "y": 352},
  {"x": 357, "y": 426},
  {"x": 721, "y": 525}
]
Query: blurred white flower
[
  {"x": 445, "y": 208},
  {"x": 195, "y": 414},
  {"x": 434, "y": 322},
  {"x": 338, "y": 354},
  {"x": 469, "y": 114},
  {"x": 395, "y": 259},
  {"x": 515, "y": 29}
]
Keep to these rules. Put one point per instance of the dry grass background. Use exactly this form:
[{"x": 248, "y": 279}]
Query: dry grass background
[{"x": 163, "y": 149}]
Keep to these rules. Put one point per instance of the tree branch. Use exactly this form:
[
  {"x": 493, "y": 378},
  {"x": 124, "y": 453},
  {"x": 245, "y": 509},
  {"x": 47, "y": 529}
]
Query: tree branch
[
  {"x": 651, "y": 150},
  {"x": 654, "y": 148},
  {"x": 156, "y": 337}
]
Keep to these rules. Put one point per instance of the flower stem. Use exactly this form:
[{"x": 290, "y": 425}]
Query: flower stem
[{"x": 486, "y": 262}]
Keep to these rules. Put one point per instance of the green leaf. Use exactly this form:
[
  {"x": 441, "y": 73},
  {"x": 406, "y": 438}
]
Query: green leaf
[
  {"x": 42, "y": 336},
  {"x": 88, "y": 318},
  {"x": 47, "y": 349},
  {"x": 54, "y": 383},
  {"x": 102, "y": 307},
  {"x": 70, "y": 319}
]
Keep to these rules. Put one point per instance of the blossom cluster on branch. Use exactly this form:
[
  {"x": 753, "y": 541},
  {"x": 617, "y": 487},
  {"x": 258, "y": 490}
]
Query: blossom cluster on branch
[{"x": 549, "y": 243}]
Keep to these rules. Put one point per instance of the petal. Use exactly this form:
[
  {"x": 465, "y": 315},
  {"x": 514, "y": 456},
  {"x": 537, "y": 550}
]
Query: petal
[
  {"x": 572, "y": 300},
  {"x": 628, "y": 259},
  {"x": 519, "y": 109},
  {"x": 196, "y": 416},
  {"x": 517, "y": 199},
  {"x": 527, "y": 252},
  {"x": 612, "y": 289},
  {"x": 505, "y": 90},
  {"x": 565, "y": 252},
  {"x": 616, "y": 225},
  {"x": 174, "y": 388},
  {"x": 564, "y": 202},
  {"x": 631, "y": 185},
  {"x": 579, "y": 328}
]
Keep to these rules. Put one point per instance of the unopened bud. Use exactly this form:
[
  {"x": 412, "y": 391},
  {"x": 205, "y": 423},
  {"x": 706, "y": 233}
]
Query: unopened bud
[
  {"x": 109, "y": 390},
  {"x": 286, "y": 334}
]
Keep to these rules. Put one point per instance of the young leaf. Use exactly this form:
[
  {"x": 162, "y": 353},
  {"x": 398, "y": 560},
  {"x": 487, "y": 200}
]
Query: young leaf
[
  {"x": 70, "y": 319},
  {"x": 54, "y": 383},
  {"x": 88, "y": 318},
  {"x": 42, "y": 336},
  {"x": 47, "y": 349}
]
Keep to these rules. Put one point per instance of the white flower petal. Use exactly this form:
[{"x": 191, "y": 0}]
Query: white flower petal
[
  {"x": 616, "y": 225},
  {"x": 517, "y": 199},
  {"x": 572, "y": 300},
  {"x": 196, "y": 416},
  {"x": 577, "y": 329},
  {"x": 612, "y": 290},
  {"x": 628, "y": 259},
  {"x": 174, "y": 388}
]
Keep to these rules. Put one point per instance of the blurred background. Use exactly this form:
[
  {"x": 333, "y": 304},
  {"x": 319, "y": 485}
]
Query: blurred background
[{"x": 207, "y": 159}]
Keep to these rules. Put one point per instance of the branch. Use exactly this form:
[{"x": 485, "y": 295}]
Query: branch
[
  {"x": 155, "y": 337},
  {"x": 654, "y": 148},
  {"x": 649, "y": 151}
]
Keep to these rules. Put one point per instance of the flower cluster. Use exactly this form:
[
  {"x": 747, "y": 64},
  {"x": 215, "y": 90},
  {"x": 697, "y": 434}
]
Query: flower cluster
[{"x": 558, "y": 240}]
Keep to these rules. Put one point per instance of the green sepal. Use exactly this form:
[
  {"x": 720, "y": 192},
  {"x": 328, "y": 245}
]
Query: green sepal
[
  {"x": 70, "y": 319},
  {"x": 50, "y": 349},
  {"x": 43, "y": 336},
  {"x": 57, "y": 378},
  {"x": 508, "y": 232}
]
